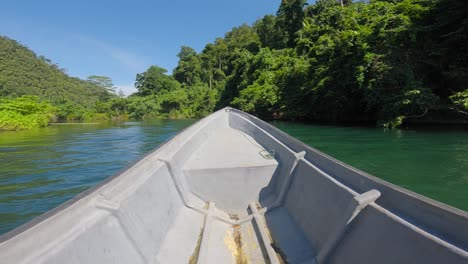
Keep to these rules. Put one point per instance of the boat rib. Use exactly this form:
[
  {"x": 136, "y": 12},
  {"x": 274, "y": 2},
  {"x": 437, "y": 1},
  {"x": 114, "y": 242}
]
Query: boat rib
[{"x": 233, "y": 189}]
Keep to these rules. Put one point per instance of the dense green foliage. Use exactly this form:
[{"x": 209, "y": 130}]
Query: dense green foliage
[
  {"x": 22, "y": 72},
  {"x": 24, "y": 113},
  {"x": 382, "y": 61}
]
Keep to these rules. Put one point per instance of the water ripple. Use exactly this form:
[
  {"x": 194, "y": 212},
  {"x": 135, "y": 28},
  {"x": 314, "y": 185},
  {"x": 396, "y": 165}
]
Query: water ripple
[{"x": 40, "y": 169}]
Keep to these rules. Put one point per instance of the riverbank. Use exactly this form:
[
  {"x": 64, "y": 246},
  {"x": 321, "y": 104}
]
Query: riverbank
[
  {"x": 15, "y": 121},
  {"x": 25, "y": 112}
]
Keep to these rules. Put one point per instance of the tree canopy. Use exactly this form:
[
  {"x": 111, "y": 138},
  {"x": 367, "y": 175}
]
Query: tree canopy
[
  {"x": 382, "y": 61},
  {"x": 334, "y": 60},
  {"x": 154, "y": 80}
]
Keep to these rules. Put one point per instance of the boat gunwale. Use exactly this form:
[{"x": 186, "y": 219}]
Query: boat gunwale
[
  {"x": 430, "y": 205},
  {"x": 413, "y": 194},
  {"x": 373, "y": 179},
  {"x": 56, "y": 210}
]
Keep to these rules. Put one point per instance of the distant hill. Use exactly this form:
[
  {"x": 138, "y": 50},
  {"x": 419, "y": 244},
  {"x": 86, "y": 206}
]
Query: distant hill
[{"x": 22, "y": 72}]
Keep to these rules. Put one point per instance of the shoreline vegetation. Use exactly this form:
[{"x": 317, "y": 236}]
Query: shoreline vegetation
[{"x": 388, "y": 62}]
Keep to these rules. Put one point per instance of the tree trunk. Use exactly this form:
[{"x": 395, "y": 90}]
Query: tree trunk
[{"x": 210, "y": 81}]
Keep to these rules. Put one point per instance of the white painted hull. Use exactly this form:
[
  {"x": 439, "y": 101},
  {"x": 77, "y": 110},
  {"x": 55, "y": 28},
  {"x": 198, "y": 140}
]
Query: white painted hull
[{"x": 214, "y": 194}]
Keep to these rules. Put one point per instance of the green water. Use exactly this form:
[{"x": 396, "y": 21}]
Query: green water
[
  {"x": 429, "y": 161},
  {"x": 42, "y": 168}
]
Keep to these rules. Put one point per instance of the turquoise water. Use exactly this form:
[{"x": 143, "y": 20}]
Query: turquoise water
[
  {"x": 40, "y": 169},
  {"x": 429, "y": 161},
  {"x": 43, "y": 168}
]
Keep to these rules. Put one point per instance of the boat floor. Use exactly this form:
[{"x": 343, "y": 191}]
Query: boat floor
[
  {"x": 228, "y": 148},
  {"x": 250, "y": 241},
  {"x": 236, "y": 164},
  {"x": 229, "y": 235}
]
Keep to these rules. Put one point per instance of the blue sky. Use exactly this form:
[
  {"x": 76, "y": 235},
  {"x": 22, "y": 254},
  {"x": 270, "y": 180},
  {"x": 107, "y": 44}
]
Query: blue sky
[{"x": 122, "y": 38}]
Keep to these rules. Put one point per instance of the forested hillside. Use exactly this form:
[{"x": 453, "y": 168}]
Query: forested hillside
[
  {"x": 22, "y": 72},
  {"x": 382, "y": 61},
  {"x": 35, "y": 91}
]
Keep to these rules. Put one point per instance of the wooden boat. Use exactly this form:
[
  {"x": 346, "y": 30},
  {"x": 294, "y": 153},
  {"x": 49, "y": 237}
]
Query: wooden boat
[{"x": 233, "y": 189}]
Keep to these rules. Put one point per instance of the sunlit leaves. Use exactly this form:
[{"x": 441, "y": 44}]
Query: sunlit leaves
[
  {"x": 460, "y": 99},
  {"x": 155, "y": 80},
  {"x": 25, "y": 112}
]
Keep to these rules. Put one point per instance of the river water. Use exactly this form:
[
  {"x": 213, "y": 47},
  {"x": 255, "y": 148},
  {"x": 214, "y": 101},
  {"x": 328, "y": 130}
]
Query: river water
[{"x": 40, "y": 169}]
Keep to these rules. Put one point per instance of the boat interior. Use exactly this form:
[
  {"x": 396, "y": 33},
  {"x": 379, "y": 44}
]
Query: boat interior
[{"x": 226, "y": 190}]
